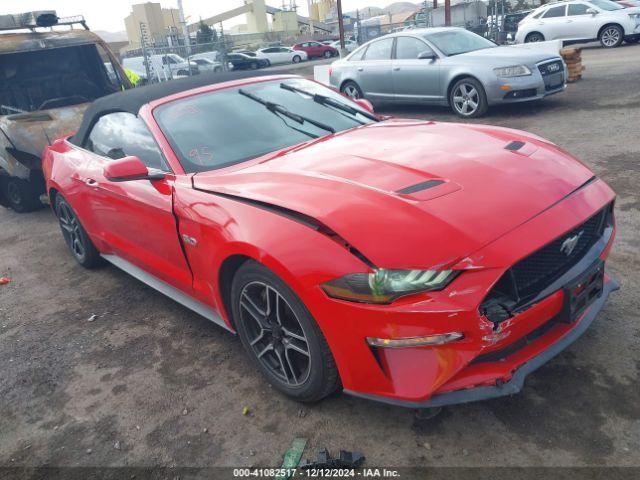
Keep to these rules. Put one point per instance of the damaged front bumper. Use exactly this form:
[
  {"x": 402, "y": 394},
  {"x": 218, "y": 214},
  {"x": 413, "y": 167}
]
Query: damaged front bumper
[{"x": 516, "y": 382}]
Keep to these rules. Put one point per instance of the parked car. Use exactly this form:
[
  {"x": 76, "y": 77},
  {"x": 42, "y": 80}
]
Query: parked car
[
  {"x": 161, "y": 67},
  {"x": 176, "y": 65},
  {"x": 415, "y": 263},
  {"x": 349, "y": 45},
  {"x": 447, "y": 66},
  {"x": 207, "y": 65},
  {"x": 316, "y": 49},
  {"x": 581, "y": 21},
  {"x": 282, "y": 55},
  {"x": 48, "y": 77},
  {"x": 241, "y": 61}
]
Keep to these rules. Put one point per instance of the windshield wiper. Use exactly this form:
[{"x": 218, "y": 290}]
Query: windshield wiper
[
  {"x": 324, "y": 100},
  {"x": 277, "y": 108}
]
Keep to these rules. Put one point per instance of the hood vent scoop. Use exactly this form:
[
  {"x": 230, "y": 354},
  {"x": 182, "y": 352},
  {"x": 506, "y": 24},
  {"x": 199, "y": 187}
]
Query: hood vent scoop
[
  {"x": 418, "y": 187},
  {"x": 514, "y": 146}
]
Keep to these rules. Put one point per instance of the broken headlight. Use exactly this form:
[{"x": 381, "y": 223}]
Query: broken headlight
[{"x": 384, "y": 286}]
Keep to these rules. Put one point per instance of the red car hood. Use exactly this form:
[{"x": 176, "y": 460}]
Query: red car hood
[{"x": 350, "y": 182}]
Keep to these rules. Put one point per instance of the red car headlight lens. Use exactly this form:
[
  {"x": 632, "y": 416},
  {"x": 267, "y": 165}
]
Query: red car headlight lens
[{"x": 384, "y": 286}]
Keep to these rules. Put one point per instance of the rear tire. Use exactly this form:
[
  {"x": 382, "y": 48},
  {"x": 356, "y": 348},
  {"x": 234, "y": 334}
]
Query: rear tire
[
  {"x": 611, "y": 36},
  {"x": 21, "y": 195},
  {"x": 534, "y": 37},
  {"x": 468, "y": 99},
  {"x": 253, "y": 66},
  {"x": 352, "y": 90},
  {"x": 275, "y": 329},
  {"x": 75, "y": 236},
  {"x": 328, "y": 54}
]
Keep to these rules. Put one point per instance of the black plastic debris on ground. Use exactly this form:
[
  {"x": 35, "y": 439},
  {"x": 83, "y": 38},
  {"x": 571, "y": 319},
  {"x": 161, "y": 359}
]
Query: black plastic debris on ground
[{"x": 345, "y": 459}]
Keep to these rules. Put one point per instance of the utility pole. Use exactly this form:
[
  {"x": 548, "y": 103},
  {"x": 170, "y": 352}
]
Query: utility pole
[
  {"x": 341, "y": 28},
  {"x": 311, "y": 27},
  {"x": 447, "y": 13},
  {"x": 185, "y": 30}
]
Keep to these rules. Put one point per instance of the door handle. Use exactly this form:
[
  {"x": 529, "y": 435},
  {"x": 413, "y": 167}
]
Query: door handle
[
  {"x": 395, "y": 69},
  {"x": 359, "y": 69},
  {"x": 90, "y": 182}
]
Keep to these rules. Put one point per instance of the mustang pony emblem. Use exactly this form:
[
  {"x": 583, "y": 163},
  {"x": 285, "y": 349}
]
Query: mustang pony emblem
[{"x": 570, "y": 243}]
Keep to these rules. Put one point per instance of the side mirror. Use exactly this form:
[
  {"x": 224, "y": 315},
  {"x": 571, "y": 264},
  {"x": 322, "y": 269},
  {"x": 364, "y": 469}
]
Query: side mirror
[
  {"x": 427, "y": 56},
  {"x": 366, "y": 104},
  {"x": 592, "y": 11},
  {"x": 127, "y": 169}
]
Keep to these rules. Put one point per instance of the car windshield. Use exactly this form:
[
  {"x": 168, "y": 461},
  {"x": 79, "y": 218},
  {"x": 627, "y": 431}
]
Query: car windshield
[
  {"x": 455, "y": 42},
  {"x": 606, "y": 5},
  {"x": 221, "y": 128}
]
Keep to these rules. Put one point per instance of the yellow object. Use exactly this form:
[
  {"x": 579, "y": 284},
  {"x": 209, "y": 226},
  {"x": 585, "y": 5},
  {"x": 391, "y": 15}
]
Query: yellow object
[
  {"x": 505, "y": 87},
  {"x": 133, "y": 77},
  {"x": 245, "y": 411}
]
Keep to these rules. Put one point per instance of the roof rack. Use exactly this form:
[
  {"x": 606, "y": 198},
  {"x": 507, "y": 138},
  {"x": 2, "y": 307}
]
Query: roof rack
[{"x": 38, "y": 19}]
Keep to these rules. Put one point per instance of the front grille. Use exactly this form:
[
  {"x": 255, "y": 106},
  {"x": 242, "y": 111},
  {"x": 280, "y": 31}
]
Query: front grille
[
  {"x": 550, "y": 68},
  {"x": 552, "y": 74},
  {"x": 540, "y": 268},
  {"x": 531, "y": 275}
]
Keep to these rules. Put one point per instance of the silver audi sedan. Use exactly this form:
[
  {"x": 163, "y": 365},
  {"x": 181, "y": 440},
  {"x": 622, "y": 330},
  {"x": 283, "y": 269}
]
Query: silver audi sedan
[{"x": 447, "y": 66}]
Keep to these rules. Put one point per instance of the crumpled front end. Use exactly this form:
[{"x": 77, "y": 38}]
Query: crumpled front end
[{"x": 555, "y": 263}]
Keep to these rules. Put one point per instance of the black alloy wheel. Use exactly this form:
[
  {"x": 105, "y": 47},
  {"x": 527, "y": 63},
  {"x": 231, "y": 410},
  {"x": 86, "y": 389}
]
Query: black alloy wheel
[
  {"x": 281, "y": 336},
  {"x": 75, "y": 236}
]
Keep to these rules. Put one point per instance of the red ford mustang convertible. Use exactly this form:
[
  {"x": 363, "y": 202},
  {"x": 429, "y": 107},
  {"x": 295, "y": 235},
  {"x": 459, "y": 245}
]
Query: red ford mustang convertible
[{"x": 412, "y": 262}]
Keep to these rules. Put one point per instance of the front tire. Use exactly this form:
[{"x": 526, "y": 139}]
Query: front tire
[
  {"x": 253, "y": 66},
  {"x": 21, "y": 195},
  {"x": 328, "y": 54},
  {"x": 611, "y": 36},
  {"x": 468, "y": 98},
  {"x": 75, "y": 236},
  {"x": 352, "y": 90},
  {"x": 280, "y": 335},
  {"x": 296, "y": 59}
]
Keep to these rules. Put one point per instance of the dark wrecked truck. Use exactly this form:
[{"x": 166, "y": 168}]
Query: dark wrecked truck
[{"x": 48, "y": 77}]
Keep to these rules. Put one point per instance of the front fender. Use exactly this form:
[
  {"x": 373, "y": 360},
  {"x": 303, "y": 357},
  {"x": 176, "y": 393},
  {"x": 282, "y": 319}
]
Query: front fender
[{"x": 303, "y": 257}]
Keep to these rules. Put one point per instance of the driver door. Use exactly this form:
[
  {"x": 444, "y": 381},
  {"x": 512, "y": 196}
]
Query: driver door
[
  {"x": 579, "y": 23},
  {"x": 134, "y": 218}
]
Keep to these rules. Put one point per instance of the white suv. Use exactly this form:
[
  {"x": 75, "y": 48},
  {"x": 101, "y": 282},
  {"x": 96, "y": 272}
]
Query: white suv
[{"x": 581, "y": 20}]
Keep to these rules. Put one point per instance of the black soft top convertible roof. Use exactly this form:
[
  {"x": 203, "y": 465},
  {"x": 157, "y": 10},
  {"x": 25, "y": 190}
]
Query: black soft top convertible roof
[{"x": 132, "y": 100}]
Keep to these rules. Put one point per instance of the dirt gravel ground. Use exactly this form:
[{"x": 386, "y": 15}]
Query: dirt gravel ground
[{"x": 148, "y": 383}]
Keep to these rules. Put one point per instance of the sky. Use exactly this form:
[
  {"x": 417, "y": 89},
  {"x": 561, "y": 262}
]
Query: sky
[{"x": 109, "y": 14}]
